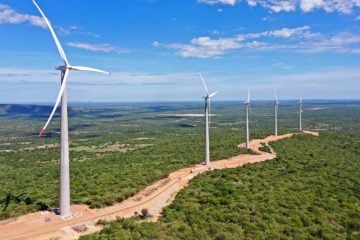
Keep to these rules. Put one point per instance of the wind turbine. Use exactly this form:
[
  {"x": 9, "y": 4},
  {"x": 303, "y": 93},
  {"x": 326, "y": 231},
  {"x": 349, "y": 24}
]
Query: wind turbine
[
  {"x": 247, "y": 108},
  {"x": 207, "y": 110},
  {"x": 276, "y": 109},
  {"x": 65, "y": 211},
  {"x": 300, "y": 113}
]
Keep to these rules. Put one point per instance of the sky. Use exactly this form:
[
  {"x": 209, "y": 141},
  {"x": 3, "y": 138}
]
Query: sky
[{"x": 155, "y": 49}]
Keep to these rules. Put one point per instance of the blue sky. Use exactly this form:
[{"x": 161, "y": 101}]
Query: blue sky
[{"x": 154, "y": 49}]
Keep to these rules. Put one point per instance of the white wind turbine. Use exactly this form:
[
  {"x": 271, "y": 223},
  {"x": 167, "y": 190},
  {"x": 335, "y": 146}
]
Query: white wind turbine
[
  {"x": 300, "y": 113},
  {"x": 207, "y": 110},
  {"x": 276, "y": 110},
  {"x": 65, "y": 211},
  {"x": 247, "y": 109}
]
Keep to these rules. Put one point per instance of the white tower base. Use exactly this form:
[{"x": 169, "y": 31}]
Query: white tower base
[{"x": 65, "y": 211}]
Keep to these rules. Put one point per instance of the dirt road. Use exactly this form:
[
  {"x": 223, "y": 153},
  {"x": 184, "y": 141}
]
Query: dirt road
[{"x": 46, "y": 225}]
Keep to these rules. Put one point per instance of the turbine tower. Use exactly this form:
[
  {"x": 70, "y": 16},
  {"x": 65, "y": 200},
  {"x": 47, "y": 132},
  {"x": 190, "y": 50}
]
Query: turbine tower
[
  {"x": 300, "y": 113},
  {"x": 65, "y": 211},
  {"x": 247, "y": 108},
  {"x": 276, "y": 110},
  {"x": 207, "y": 111}
]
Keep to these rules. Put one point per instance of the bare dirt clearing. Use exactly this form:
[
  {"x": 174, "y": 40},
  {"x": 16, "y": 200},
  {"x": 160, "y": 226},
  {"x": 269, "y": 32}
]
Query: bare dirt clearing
[{"x": 46, "y": 225}]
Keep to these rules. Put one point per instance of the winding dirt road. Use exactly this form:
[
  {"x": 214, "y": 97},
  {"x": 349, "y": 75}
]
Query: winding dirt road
[{"x": 46, "y": 225}]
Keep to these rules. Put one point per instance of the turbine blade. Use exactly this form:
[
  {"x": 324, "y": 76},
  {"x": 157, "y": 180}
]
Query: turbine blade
[
  {"x": 213, "y": 94},
  {"x": 276, "y": 96},
  {"x": 63, "y": 86},
  {"x": 204, "y": 83},
  {"x": 89, "y": 69},
  {"x": 248, "y": 96},
  {"x": 57, "y": 42}
]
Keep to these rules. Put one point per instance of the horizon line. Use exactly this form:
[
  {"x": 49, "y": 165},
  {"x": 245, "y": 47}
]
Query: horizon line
[{"x": 180, "y": 101}]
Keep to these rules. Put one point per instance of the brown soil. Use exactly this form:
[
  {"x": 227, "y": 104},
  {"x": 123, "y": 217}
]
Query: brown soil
[
  {"x": 311, "y": 133},
  {"x": 46, "y": 225}
]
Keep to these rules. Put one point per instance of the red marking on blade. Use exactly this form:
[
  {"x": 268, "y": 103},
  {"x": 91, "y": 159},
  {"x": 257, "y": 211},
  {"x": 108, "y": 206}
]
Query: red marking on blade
[{"x": 42, "y": 133}]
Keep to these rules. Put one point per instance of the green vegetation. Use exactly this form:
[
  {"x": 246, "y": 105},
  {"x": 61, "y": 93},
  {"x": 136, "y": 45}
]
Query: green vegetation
[
  {"x": 115, "y": 152},
  {"x": 311, "y": 191},
  {"x": 118, "y": 149},
  {"x": 265, "y": 148}
]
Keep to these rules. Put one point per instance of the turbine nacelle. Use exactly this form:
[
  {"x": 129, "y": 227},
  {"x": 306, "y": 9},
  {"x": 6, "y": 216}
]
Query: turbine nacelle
[
  {"x": 212, "y": 94},
  {"x": 209, "y": 96},
  {"x": 61, "y": 68},
  {"x": 81, "y": 68}
]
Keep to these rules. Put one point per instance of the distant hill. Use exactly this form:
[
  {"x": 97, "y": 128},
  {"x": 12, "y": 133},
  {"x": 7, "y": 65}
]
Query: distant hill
[{"x": 25, "y": 110}]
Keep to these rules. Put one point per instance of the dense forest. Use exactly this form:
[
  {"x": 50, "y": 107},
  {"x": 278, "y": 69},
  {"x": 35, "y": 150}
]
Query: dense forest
[{"x": 311, "y": 191}]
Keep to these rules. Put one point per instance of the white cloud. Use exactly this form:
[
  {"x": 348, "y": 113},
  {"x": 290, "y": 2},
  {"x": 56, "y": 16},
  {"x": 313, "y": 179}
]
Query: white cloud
[
  {"x": 299, "y": 39},
  {"x": 343, "y": 42},
  {"x": 333, "y": 75},
  {"x": 290, "y": 32},
  {"x": 156, "y": 44},
  {"x": 10, "y": 16},
  {"x": 74, "y": 30},
  {"x": 26, "y": 85},
  {"x": 278, "y": 6},
  {"x": 40, "y": 76},
  {"x": 309, "y": 5},
  {"x": 70, "y": 30},
  {"x": 341, "y": 6},
  {"x": 104, "y": 47},
  {"x": 225, "y": 2},
  {"x": 206, "y": 47}
]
